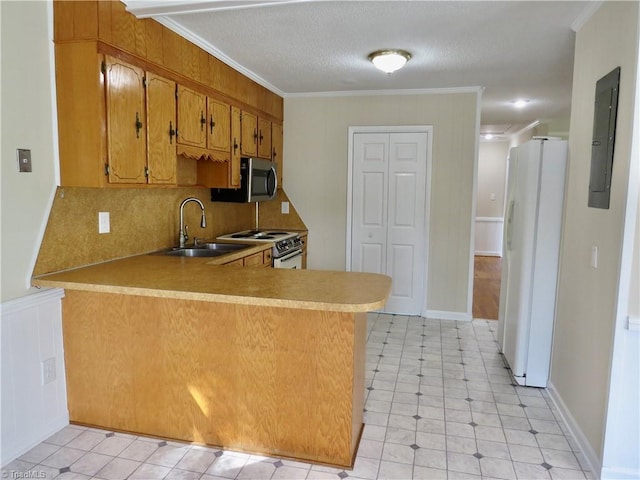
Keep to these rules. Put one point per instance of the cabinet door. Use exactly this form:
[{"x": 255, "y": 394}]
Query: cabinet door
[
  {"x": 218, "y": 125},
  {"x": 126, "y": 132},
  {"x": 276, "y": 147},
  {"x": 264, "y": 138},
  {"x": 236, "y": 132},
  {"x": 249, "y": 139},
  {"x": 192, "y": 117},
  {"x": 161, "y": 124}
]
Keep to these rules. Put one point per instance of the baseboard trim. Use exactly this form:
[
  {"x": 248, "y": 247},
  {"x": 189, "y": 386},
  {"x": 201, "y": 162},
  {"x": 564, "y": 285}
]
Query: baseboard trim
[
  {"x": 446, "y": 315},
  {"x": 488, "y": 254},
  {"x": 619, "y": 474},
  {"x": 590, "y": 456}
]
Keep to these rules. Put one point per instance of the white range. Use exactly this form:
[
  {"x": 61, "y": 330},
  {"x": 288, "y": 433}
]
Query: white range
[{"x": 287, "y": 246}]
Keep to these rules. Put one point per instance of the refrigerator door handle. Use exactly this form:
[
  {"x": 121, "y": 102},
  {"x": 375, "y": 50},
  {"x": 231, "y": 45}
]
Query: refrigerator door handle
[{"x": 510, "y": 224}]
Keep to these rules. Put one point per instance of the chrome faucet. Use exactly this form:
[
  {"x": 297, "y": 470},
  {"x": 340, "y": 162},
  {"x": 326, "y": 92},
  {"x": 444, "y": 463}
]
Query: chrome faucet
[{"x": 183, "y": 228}]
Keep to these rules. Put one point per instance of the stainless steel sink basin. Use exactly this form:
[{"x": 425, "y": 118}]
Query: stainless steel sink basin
[
  {"x": 206, "y": 250},
  {"x": 225, "y": 247}
]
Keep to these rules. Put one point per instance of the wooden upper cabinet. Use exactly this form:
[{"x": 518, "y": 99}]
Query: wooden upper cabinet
[
  {"x": 218, "y": 125},
  {"x": 249, "y": 137},
  {"x": 236, "y": 132},
  {"x": 126, "y": 129},
  {"x": 276, "y": 149},
  {"x": 161, "y": 130},
  {"x": 264, "y": 138},
  {"x": 192, "y": 117}
]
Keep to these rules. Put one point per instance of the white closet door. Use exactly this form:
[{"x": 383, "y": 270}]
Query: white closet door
[
  {"x": 388, "y": 214},
  {"x": 370, "y": 184},
  {"x": 406, "y": 221}
]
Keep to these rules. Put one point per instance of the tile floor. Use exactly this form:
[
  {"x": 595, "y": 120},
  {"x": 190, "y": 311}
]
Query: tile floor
[{"x": 440, "y": 405}]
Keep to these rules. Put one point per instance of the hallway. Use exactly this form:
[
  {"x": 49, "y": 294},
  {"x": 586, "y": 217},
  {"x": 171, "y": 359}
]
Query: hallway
[{"x": 486, "y": 287}]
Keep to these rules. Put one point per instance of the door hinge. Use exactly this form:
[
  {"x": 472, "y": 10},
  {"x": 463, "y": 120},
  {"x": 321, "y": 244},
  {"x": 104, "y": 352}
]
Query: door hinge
[
  {"x": 146, "y": 172},
  {"x": 176, "y": 92},
  {"x": 103, "y": 67},
  {"x": 144, "y": 82},
  {"x": 106, "y": 169}
]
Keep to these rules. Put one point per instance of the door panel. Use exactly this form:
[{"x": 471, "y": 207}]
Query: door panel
[
  {"x": 371, "y": 255},
  {"x": 373, "y": 201},
  {"x": 388, "y": 213},
  {"x": 161, "y": 124},
  {"x": 126, "y": 129}
]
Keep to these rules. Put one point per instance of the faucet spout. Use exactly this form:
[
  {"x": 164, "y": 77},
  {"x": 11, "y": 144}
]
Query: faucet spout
[{"x": 183, "y": 236}]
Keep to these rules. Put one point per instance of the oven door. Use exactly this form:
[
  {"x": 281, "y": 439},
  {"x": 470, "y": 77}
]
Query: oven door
[{"x": 290, "y": 260}]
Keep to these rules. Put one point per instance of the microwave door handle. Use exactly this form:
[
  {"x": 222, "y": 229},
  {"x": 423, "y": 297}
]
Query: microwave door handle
[{"x": 272, "y": 173}]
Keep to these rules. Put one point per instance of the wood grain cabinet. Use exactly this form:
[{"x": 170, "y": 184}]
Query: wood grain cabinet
[
  {"x": 249, "y": 134},
  {"x": 276, "y": 149},
  {"x": 260, "y": 259},
  {"x": 303, "y": 238},
  {"x": 161, "y": 130},
  {"x": 140, "y": 111},
  {"x": 264, "y": 138},
  {"x": 203, "y": 122},
  {"x": 192, "y": 117},
  {"x": 126, "y": 118},
  {"x": 102, "y": 56},
  {"x": 134, "y": 108}
]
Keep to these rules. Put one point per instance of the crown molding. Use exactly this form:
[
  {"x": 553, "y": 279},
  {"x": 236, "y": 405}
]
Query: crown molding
[
  {"x": 371, "y": 93},
  {"x": 586, "y": 14},
  {"x": 209, "y": 48}
]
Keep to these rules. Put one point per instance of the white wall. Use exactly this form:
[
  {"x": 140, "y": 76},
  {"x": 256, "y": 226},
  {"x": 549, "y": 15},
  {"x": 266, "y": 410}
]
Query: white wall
[
  {"x": 27, "y": 122},
  {"x": 31, "y": 328},
  {"x": 31, "y": 410},
  {"x": 315, "y": 152},
  {"x": 587, "y": 315},
  {"x": 492, "y": 172},
  {"x": 492, "y": 175}
]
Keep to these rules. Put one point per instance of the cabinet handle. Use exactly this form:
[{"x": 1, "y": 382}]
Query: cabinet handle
[
  {"x": 203, "y": 121},
  {"x": 274, "y": 153},
  {"x": 138, "y": 125},
  {"x": 235, "y": 145},
  {"x": 261, "y": 137},
  {"x": 211, "y": 123},
  {"x": 172, "y": 132},
  {"x": 255, "y": 135}
]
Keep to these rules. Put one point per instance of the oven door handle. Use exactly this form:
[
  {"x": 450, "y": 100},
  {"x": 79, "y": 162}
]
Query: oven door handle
[{"x": 290, "y": 256}]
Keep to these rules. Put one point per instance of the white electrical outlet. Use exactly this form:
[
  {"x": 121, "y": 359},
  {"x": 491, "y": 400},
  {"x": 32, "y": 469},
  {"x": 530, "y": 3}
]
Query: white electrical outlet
[
  {"x": 284, "y": 208},
  {"x": 48, "y": 370},
  {"x": 104, "y": 224}
]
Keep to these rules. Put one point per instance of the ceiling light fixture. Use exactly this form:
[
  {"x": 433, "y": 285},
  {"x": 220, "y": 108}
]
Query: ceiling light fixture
[
  {"x": 389, "y": 60},
  {"x": 520, "y": 103}
]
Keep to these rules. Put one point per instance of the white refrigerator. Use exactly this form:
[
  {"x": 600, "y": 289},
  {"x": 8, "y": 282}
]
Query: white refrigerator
[{"x": 531, "y": 248}]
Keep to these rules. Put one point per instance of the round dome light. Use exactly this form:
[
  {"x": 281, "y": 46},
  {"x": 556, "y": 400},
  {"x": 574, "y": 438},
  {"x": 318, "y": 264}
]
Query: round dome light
[{"x": 389, "y": 60}]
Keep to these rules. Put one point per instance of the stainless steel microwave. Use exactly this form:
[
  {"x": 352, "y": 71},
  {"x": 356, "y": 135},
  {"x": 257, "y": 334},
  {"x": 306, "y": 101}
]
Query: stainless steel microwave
[{"x": 258, "y": 182}]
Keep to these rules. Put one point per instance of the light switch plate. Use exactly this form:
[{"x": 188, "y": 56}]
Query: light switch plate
[
  {"x": 104, "y": 224},
  {"x": 24, "y": 160},
  {"x": 284, "y": 207}
]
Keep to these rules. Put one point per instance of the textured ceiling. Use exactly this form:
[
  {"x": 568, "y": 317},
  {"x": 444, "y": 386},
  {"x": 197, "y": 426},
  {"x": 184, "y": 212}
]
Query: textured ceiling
[{"x": 510, "y": 49}]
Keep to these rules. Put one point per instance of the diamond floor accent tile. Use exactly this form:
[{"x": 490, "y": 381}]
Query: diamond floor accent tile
[{"x": 445, "y": 392}]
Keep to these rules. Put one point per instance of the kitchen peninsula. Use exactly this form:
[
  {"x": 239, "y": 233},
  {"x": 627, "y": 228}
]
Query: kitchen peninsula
[{"x": 255, "y": 359}]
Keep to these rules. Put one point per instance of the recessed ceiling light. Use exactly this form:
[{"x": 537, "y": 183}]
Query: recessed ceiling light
[
  {"x": 488, "y": 136},
  {"x": 389, "y": 60},
  {"x": 520, "y": 103}
]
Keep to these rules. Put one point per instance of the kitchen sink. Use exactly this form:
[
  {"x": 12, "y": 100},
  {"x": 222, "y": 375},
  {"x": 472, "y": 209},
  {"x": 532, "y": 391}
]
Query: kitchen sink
[{"x": 205, "y": 250}]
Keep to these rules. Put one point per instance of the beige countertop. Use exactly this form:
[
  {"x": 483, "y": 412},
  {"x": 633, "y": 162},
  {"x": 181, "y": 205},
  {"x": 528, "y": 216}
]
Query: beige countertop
[{"x": 201, "y": 279}]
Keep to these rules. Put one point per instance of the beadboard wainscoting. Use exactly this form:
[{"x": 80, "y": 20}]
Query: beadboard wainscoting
[
  {"x": 489, "y": 236},
  {"x": 31, "y": 410}
]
